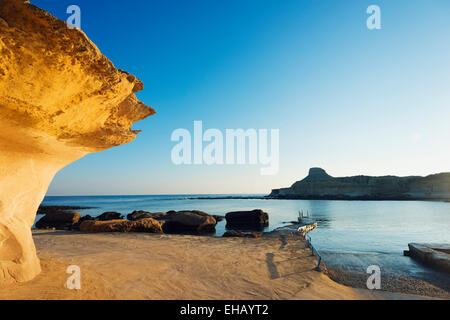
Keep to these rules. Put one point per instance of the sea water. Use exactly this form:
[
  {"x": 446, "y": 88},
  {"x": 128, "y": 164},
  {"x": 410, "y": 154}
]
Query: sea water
[{"x": 351, "y": 235}]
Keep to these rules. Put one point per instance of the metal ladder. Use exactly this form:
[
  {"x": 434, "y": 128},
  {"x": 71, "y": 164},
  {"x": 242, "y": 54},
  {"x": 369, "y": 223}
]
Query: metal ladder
[{"x": 313, "y": 250}]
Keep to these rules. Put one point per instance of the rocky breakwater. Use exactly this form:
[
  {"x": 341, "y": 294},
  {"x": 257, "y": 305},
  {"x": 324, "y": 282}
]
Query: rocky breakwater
[
  {"x": 172, "y": 222},
  {"x": 60, "y": 99},
  {"x": 106, "y": 222},
  {"x": 320, "y": 185},
  {"x": 146, "y": 225},
  {"x": 175, "y": 222}
]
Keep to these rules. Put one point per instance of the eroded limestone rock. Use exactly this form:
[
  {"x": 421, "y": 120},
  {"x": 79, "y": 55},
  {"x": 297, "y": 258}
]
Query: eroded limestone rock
[
  {"x": 63, "y": 220},
  {"x": 195, "y": 221},
  {"x": 60, "y": 99},
  {"x": 147, "y": 225}
]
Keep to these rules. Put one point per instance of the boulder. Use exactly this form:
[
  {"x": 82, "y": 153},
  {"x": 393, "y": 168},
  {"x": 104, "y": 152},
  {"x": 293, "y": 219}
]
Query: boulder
[
  {"x": 60, "y": 220},
  {"x": 256, "y": 219},
  {"x": 108, "y": 216},
  {"x": 86, "y": 218},
  {"x": 147, "y": 225},
  {"x": 161, "y": 216},
  {"x": 76, "y": 226},
  {"x": 53, "y": 209},
  {"x": 137, "y": 215},
  {"x": 219, "y": 218},
  {"x": 188, "y": 222}
]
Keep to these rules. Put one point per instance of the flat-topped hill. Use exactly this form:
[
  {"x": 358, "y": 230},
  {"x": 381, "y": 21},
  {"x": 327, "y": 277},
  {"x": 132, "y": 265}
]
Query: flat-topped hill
[{"x": 320, "y": 185}]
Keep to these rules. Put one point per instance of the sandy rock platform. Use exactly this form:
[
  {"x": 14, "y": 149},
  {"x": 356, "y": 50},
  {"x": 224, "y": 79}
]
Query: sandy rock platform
[{"x": 154, "y": 266}]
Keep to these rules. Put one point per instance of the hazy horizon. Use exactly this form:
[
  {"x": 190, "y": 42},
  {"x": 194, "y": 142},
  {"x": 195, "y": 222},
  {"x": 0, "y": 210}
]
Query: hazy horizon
[
  {"x": 201, "y": 194},
  {"x": 347, "y": 99}
]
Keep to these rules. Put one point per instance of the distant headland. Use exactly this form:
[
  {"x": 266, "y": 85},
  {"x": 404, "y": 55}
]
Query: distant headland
[{"x": 320, "y": 185}]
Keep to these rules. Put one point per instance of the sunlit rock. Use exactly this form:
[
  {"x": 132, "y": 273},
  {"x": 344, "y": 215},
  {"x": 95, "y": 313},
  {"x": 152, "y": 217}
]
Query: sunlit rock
[{"x": 60, "y": 99}]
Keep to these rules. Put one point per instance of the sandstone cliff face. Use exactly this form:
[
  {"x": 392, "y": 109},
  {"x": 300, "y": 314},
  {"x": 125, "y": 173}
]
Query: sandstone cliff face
[
  {"x": 60, "y": 99},
  {"x": 320, "y": 185}
]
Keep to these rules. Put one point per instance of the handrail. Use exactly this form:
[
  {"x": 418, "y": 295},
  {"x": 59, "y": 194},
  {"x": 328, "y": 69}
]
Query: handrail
[{"x": 313, "y": 249}]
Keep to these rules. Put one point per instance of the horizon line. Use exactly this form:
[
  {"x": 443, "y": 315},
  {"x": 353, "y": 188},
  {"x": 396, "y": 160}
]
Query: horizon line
[{"x": 147, "y": 195}]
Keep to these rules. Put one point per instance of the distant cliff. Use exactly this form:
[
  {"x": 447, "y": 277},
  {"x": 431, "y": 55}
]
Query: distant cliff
[{"x": 319, "y": 185}]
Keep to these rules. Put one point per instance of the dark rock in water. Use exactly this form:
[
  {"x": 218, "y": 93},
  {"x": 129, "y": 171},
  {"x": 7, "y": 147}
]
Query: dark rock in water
[
  {"x": 256, "y": 219},
  {"x": 219, "y": 218},
  {"x": 188, "y": 222},
  {"x": 61, "y": 217},
  {"x": 172, "y": 222},
  {"x": 147, "y": 225},
  {"x": 60, "y": 220},
  {"x": 86, "y": 218},
  {"x": 54, "y": 209},
  {"x": 76, "y": 226},
  {"x": 161, "y": 216},
  {"x": 108, "y": 216},
  {"x": 137, "y": 215},
  {"x": 239, "y": 234}
]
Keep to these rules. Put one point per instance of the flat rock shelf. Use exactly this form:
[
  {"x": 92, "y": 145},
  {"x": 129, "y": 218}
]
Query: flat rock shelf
[{"x": 435, "y": 255}]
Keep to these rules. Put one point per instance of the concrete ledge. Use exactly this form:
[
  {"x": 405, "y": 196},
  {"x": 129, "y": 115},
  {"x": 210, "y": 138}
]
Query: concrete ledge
[{"x": 436, "y": 256}]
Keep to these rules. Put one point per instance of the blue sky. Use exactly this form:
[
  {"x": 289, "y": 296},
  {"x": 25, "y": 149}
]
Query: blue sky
[{"x": 345, "y": 98}]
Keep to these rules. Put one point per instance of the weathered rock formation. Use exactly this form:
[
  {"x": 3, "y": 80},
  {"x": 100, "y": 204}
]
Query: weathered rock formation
[
  {"x": 195, "y": 221},
  {"x": 137, "y": 215},
  {"x": 175, "y": 222},
  {"x": 147, "y": 225},
  {"x": 320, "y": 185},
  {"x": 60, "y": 99},
  {"x": 107, "y": 216},
  {"x": 55, "y": 209},
  {"x": 218, "y": 218},
  {"x": 77, "y": 225},
  {"x": 63, "y": 220},
  {"x": 247, "y": 220},
  {"x": 59, "y": 219}
]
